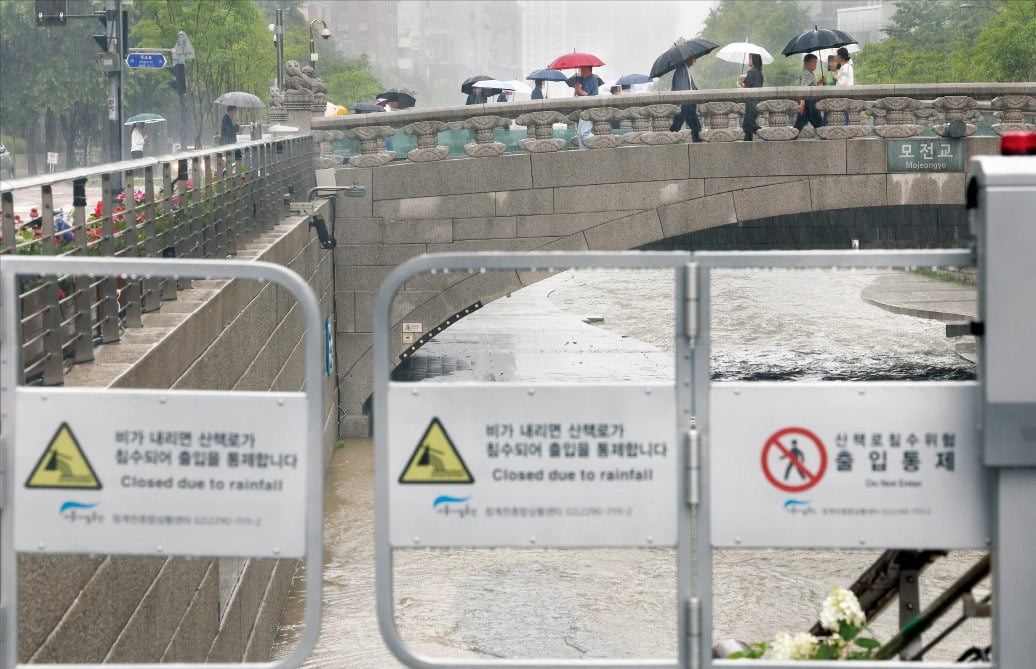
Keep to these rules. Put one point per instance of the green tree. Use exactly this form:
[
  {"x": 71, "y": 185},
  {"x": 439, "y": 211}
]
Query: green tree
[
  {"x": 52, "y": 90},
  {"x": 233, "y": 49},
  {"x": 768, "y": 24},
  {"x": 351, "y": 81},
  {"x": 932, "y": 41}
]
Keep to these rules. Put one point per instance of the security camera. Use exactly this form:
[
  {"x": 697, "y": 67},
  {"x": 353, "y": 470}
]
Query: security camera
[{"x": 325, "y": 33}]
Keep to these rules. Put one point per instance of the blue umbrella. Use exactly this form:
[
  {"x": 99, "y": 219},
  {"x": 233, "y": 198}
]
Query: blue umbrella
[
  {"x": 628, "y": 79},
  {"x": 547, "y": 75}
]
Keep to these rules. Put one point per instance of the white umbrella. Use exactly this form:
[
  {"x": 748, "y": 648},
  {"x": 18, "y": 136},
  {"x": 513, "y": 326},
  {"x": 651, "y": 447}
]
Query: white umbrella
[
  {"x": 737, "y": 52},
  {"x": 512, "y": 85},
  {"x": 824, "y": 53}
]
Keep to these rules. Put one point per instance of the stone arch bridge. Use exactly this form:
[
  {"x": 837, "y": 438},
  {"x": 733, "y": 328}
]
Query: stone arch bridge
[{"x": 646, "y": 188}]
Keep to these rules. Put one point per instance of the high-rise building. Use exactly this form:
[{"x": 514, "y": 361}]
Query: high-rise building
[
  {"x": 863, "y": 19},
  {"x": 361, "y": 27}
]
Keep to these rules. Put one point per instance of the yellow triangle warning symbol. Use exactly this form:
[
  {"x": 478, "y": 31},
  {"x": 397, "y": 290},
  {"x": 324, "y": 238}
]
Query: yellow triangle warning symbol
[
  {"x": 63, "y": 465},
  {"x": 436, "y": 459}
]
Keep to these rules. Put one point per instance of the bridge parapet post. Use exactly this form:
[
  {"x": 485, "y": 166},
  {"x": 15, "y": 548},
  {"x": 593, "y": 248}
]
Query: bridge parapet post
[
  {"x": 955, "y": 108},
  {"x": 601, "y": 117},
  {"x": 900, "y": 118},
  {"x": 540, "y": 128},
  {"x": 837, "y": 108},
  {"x": 485, "y": 146},
  {"x": 778, "y": 120},
  {"x": 372, "y": 146},
  {"x": 717, "y": 117},
  {"x": 428, "y": 148},
  {"x": 1011, "y": 113}
]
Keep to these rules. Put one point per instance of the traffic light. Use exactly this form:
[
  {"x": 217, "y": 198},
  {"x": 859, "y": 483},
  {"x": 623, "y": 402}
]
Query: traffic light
[
  {"x": 179, "y": 82},
  {"x": 51, "y": 12}
]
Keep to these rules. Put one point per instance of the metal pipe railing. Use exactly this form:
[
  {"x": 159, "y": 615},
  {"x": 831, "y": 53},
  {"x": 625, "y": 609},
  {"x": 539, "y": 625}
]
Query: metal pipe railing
[{"x": 197, "y": 204}]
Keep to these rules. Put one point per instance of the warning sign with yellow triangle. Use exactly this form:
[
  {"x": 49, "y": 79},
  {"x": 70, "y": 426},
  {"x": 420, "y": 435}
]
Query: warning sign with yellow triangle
[
  {"x": 63, "y": 465},
  {"x": 436, "y": 459}
]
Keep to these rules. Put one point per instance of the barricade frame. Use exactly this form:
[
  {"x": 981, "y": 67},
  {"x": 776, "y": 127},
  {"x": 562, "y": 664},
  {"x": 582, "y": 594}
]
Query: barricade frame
[
  {"x": 486, "y": 261},
  {"x": 10, "y": 362}
]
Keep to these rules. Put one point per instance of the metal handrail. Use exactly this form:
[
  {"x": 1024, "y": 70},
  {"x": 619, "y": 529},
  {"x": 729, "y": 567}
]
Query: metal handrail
[{"x": 195, "y": 204}]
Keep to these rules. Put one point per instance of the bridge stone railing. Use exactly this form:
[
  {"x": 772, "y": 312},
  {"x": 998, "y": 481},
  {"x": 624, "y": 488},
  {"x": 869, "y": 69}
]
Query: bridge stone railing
[
  {"x": 889, "y": 111},
  {"x": 199, "y": 204}
]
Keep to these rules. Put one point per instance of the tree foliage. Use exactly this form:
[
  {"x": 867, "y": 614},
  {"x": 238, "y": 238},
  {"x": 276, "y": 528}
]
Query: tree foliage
[
  {"x": 934, "y": 41},
  {"x": 233, "y": 49},
  {"x": 51, "y": 83}
]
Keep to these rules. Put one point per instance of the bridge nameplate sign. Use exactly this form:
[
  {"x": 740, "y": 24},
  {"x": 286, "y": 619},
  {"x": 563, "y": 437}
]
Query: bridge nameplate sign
[
  {"x": 145, "y": 472},
  {"x": 844, "y": 465},
  {"x": 546, "y": 465},
  {"x": 935, "y": 154}
]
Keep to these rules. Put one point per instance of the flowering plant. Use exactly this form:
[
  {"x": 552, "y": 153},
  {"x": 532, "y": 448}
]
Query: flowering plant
[{"x": 842, "y": 616}]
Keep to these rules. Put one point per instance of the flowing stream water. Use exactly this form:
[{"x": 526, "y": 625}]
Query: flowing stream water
[{"x": 519, "y": 603}]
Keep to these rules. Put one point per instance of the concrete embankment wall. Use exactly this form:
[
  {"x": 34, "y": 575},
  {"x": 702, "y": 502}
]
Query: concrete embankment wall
[
  {"x": 217, "y": 335},
  {"x": 597, "y": 200}
]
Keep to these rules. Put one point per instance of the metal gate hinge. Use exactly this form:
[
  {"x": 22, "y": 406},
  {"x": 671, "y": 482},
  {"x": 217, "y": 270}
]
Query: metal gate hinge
[
  {"x": 693, "y": 466},
  {"x": 694, "y": 631},
  {"x": 691, "y": 315}
]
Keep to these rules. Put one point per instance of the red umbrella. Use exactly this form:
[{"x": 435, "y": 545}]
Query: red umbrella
[{"x": 572, "y": 60}]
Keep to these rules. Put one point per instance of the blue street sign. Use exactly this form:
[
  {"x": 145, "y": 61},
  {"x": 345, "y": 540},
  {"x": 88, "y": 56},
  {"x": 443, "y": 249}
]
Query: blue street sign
[{"x": 146, "y": 60}]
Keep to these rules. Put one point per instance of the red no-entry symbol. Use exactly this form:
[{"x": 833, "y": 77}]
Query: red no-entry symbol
[{"x": 794, "y": 459}]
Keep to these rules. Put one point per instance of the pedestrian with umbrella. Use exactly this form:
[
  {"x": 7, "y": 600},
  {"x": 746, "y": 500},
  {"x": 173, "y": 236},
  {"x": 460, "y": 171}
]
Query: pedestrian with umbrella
[
  {"x": 476, "y": 95},
  {"x": 679, "y": 58},
  {"x": 815, "y": 40},
  {"x": 808, "y": 112},
  {"x": 585, "y": 84},
  {"x": 229, "y": 127},
  {"x": 754, "y": 79},
  {"x": 138, "y": 138},
  {"x": 402, "y": 99},
  {"x": 540, "y": 76}
]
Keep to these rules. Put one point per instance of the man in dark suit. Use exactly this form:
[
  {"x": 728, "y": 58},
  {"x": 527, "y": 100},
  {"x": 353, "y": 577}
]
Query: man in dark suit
[{"x": 683, "y": 81}]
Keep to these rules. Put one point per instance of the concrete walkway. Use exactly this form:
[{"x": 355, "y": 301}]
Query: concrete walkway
[{"x": 915, "y": 295}]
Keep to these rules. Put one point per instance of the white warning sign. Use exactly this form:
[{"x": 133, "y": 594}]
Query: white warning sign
[
  {"x": 542, "y": 465},
  {"x": 842, "y": 465},
  {"x": 143, "y": 472}
]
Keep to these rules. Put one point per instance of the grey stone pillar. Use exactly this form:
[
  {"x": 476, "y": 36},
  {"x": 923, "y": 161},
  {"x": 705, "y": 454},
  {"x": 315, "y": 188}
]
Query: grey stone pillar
[
  {"x": 836, "y": 109},
  {"x": 540, "y": 129},
  {"x": 485, "y": 146},
  {"x": 602, "y": 117},
  {"x": 372, "y": 146},
  {"x": 779, "y": 125},
  {"x": 428, "y": 148},
  {"x": 954, "y": 108},
  {"x": 717, "y": 121},
  {"x": 325, "y": 157},
  {"x": 660, "y": 118},
  {"x": 1011, "y": 113},
  {"x": 900, "y": 120}
]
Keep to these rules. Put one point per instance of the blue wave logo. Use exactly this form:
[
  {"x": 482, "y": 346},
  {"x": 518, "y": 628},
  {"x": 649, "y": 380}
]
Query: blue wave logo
[
  {"x": 796, "y": 502},
  {"x": 75, "y": 505},
  {"x": 446, "y": 499}
]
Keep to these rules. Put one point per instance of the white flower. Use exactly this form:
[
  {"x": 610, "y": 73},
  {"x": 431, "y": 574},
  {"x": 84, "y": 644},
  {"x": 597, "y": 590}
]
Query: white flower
[
  {"x": 841, "y": 606},
  {"x": 802, "y": 646}
]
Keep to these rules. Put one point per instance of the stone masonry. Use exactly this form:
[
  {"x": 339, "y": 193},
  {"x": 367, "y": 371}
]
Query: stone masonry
[{"x": 619, "y": 199}]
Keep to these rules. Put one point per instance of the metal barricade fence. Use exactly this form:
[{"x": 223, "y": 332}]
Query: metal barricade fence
[
  {"x": 443, "y": 457},
  {"x": 199, "y": 204},
  {"x": 70, "y": 448}
]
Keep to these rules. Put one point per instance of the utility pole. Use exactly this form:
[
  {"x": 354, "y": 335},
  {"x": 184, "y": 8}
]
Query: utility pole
[
  {"x": 278, "y": 37},
  {"x": 181, "y": 53}
]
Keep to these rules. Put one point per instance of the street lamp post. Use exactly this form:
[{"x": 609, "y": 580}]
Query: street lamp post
[
  {"x": 278, "y": 39},
  {"x": 325, "y": 33}
]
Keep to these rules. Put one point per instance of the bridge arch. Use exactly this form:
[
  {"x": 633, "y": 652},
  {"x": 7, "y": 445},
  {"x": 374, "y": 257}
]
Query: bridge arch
[{"x": 636, "y": 197}]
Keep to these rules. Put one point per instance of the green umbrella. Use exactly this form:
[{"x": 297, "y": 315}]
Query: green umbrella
[{"x": 144, "y": 118}]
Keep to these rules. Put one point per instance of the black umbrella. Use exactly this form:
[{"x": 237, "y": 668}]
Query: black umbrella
[
  {"x": 402, "y": 99},
  {"x": 465, "y": 88},
  {"x": 571, "y": 81},
  {"x": 814, "y": 40},
  {"x": 678, "y": 53},
  {"x": 366, "y": 108}
]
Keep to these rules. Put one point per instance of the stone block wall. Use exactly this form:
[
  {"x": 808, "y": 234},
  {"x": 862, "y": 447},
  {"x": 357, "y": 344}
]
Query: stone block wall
[
  {"x": 218, "y": 335},
  {"x": 607, "y": 199}
]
